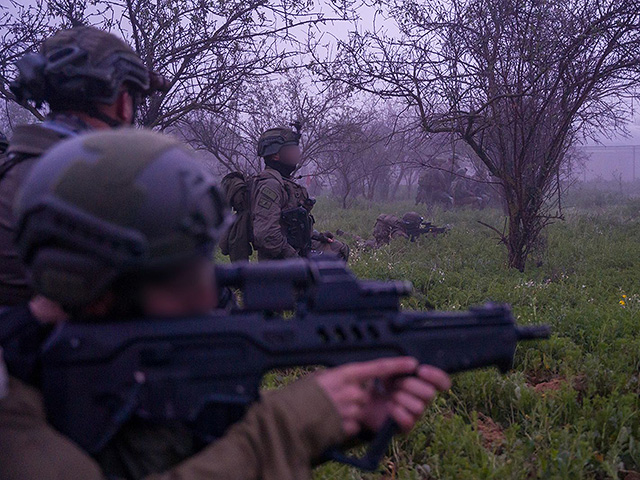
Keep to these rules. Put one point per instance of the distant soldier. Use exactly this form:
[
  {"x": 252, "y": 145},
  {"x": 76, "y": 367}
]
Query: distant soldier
[
  {"x": 389, "y": 227},
  {"x": 414, "y": 226},
  {"x": 469, "y": 190},
  {"x": 91, "y": 80},
  {"x": 434, "y": 187},
  {"x": 281, "y": 217}
]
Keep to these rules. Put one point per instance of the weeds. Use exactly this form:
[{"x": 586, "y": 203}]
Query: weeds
[{"x": 570, "y": 409}]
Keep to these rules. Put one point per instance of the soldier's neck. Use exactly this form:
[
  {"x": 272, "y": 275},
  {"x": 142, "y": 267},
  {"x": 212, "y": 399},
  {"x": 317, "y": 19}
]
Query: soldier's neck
[
  {"x": 90, "y": 120},
  {"x": 282, "y": 169}
]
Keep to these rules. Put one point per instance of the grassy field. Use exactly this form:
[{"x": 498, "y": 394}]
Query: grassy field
[{"x": 571, "y": 407}]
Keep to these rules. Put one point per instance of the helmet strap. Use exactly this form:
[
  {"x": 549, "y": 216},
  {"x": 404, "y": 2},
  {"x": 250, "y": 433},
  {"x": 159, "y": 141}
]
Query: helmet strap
[{"x": 98, "y": 115}]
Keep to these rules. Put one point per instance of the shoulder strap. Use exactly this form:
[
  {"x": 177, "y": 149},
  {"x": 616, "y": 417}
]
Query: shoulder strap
[
  {"x": 29, "y": 141},
  {"x": 59, "y": 128}
]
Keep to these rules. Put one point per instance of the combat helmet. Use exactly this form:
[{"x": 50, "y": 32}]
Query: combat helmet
[
  {"x": 101, "y": 206},
  {"x": 271, "y": 141},
  {"x": 81, "y": 66},
  {"x": 412, "y": 218}
]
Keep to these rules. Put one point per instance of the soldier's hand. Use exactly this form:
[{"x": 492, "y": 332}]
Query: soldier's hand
[
  {"x": 47, "y": 311},
  {"x": 325, "y": 237},
  {"x": 366, "y": 394}
]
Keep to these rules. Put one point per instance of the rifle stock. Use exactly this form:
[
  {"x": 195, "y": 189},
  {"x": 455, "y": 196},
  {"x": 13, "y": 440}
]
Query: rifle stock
[{"x": 205, "y": 371}]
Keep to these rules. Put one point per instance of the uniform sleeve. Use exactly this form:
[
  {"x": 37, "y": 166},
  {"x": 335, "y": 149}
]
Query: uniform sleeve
[
  {"x": 266, "y": 208},
  {"x": 279, "y": 438},
  {"x": 30, "y": 448}
]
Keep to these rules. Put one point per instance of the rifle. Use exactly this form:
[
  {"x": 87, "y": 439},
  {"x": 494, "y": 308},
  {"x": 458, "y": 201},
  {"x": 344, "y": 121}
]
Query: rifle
[
  {"x": 424, "y": 228},
  {"x": 205, "y": 371}
]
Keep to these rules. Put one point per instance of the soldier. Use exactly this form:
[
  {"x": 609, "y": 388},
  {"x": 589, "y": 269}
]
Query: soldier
[
  {"x": 389, "y": 227},
  {"x": 434, "y": 186},
  {"x": 124, "y": 223},
  {"x": 281, "y": 208},
  {"x": 91, "y": 80},
  {"x": 413, "y": 225}
]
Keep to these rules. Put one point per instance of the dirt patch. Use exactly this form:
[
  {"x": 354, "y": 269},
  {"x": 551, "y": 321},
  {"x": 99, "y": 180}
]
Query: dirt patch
[
  {"x": 550, "y": 386},
  {"x": 553, "y": 384},
  {"x": 491, "y": 433},
  {"x": 535, "y": 377}
]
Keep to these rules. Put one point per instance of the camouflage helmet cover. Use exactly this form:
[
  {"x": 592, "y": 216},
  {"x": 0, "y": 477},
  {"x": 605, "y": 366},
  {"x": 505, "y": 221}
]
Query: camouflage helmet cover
[
  {"x": 110, "y": 203},
  {"x": 412, "y": 218},
  {"x": 271, "y": 141},
  {"x": 82, "y": 65}
]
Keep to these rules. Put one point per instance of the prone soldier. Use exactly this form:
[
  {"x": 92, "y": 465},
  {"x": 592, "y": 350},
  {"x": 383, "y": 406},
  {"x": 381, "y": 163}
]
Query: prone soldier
[{"x": 388, "y": 227}]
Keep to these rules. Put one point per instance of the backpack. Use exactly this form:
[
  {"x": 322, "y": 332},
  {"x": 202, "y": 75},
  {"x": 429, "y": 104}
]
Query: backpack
[
  {"x": 387, "y": 227},
  {"x": 236, "y": 242}
]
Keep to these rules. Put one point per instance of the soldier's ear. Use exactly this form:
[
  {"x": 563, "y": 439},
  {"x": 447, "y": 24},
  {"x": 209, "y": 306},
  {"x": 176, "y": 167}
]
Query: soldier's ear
[{"x": 124, "y": 108}]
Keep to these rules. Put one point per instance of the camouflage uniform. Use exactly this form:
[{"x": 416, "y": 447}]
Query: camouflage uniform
[
  {"x": 387, "y": 228},
  {"x": 173, "y": 215},
  {"x": 29, "y": 142},
  {"x": 434, "y": 187},
  {"x": 273, "y": 192}
]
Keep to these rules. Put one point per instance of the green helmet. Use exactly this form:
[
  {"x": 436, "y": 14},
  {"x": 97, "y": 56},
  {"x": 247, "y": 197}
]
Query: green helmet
[
  {"x": 271, "y": 141},
  {"x": 104, "y": 205},
  {"x": 82, "y": 66},
  {"x": 412, "y": 218}
]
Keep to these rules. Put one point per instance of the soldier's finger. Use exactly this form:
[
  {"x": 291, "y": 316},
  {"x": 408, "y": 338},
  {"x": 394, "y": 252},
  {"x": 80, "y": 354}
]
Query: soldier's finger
[
  {"x": 403, "y": 418},
  {"x": 412, "y": 404},
  {"x": 418, "y": 388},
  {"x": 381, "y": 368},
  {"x": 355, "y": 394},
  {"x": 351, "y": 427},
  {"x": 436, "y": 377},
  {"x": 351, "y": 411}
]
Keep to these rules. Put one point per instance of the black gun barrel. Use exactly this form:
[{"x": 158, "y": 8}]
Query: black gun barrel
[{"x": 536, "y": 332}]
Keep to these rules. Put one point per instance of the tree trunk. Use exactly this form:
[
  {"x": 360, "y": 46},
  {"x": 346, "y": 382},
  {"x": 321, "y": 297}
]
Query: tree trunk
[{"x": 517, "y": 243}]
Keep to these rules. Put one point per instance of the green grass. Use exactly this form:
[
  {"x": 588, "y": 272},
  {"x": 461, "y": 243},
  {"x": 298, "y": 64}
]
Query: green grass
[{"x": 583, "y": 423}]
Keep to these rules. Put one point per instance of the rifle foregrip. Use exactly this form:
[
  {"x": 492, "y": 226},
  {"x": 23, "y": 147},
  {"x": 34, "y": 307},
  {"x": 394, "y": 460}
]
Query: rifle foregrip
[{"x": 375, "y": 452}]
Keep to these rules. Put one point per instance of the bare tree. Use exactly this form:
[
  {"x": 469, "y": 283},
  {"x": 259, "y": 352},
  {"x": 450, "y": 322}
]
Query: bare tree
[
  {"x": 208, "y": 50},
  {"x": 519, "y": 81},
  {"x": 272, "y": 102}
]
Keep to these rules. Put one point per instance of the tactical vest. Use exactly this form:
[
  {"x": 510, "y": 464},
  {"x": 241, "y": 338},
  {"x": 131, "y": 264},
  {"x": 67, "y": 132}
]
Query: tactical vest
[{"x": 237, "y": 241}]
